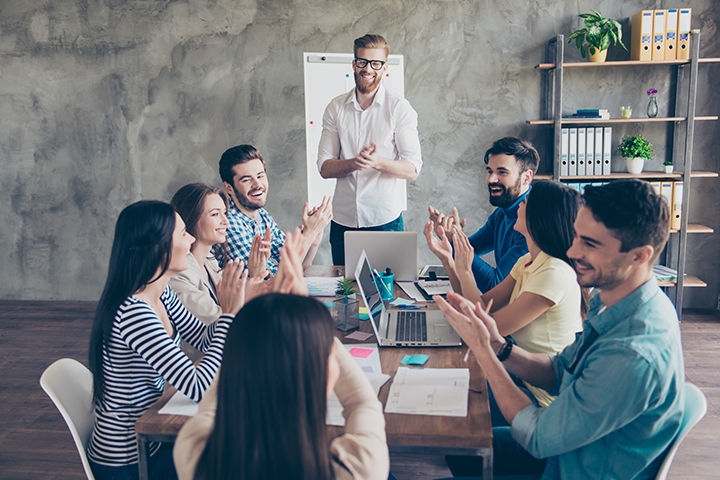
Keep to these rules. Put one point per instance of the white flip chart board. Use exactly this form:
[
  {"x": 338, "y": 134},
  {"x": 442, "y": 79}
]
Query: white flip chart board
[{"x": 328, "y": 75}]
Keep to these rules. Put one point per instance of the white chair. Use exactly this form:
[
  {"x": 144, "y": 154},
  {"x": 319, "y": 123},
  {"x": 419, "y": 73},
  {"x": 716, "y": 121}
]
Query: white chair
[
  {"x": 69, "y": 385},
  {"x": 694, "y": 409}
]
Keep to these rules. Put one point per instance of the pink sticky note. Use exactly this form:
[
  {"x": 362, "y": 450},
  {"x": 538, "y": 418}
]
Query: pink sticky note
[
  {"x": 360, "y": 336},
  {"x": 361, "y": 352}
]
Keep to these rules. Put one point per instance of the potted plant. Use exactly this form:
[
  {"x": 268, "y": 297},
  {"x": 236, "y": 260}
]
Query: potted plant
[
  {"x": 635, "y": 149},
  {"x": 345, "y": 309},
  {"x": 668, "y": 166},
  {"x": 597, "y": 35},
  {"x": 345, "y": 287}
]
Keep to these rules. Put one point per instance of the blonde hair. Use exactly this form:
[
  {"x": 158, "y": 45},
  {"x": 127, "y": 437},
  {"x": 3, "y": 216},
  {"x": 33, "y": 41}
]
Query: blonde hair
[{"x": 371, "y": 41}]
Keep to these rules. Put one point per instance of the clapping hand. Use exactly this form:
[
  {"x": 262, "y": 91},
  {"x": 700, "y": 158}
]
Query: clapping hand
[
  {"x": 315, "y": 220},
  {"x": 231, "y": 287},
  {"x": 259, "y": 253},
  {"x": 439, "y": 245},
  {"x": 289, "y": 277},
  {"x": 446, "y": 221},
  {"x": 473, "y": 323},
  {"x": 464, "y": 252}
]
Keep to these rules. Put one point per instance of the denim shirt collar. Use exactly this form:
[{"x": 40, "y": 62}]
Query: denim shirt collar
[
  {"x": 609, "y": 318},
  {"x": 511, "y": 211}
]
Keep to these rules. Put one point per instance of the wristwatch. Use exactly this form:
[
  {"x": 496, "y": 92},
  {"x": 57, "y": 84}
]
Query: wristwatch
[{"x": 504, "y": 352}]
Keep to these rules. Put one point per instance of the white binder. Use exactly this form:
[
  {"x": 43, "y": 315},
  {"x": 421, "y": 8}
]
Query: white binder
[
  {"x": 598, "y": 151},
  {"x": 581, "y": 150},
  {"x": 564, "y": 145},
  {"x": 572, "y": 140},
  {"x": 607, "y": 150},
  {"x": 590, "y": 151}
]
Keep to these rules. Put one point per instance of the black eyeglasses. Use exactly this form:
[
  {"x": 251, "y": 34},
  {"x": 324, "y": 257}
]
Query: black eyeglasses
[{"x": 374, "y": 64}]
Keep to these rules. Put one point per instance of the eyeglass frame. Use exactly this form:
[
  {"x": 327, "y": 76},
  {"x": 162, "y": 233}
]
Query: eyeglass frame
[{"x": 368, "y": 62}]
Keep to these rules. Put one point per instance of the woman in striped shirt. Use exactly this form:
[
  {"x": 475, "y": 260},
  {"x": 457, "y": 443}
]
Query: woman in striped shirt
[{"x": 134, "y": 346}]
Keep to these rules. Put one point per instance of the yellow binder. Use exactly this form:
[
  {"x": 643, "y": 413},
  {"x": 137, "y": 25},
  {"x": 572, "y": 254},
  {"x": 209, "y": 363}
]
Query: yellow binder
[
  {"x": 658, "y": 38},
  {"x": 683, "y": 31},
  {"x": 671, "y": 25},
  {"x": 676, "y": 214},
  {"x": 641, "y": 36}
]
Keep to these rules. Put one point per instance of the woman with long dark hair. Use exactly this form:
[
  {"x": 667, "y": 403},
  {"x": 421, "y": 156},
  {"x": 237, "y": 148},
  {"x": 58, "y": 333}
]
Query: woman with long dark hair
[
  {"x": 540, "y": 303},
  {"x": 264, "y": 417},
  {"x": 203, "y": 208},
  {"x": 136, "y": 331}
]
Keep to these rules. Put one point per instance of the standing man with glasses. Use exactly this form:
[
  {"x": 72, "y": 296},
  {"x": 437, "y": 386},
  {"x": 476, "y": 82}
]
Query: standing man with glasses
[{"x": 370, "y": 144}]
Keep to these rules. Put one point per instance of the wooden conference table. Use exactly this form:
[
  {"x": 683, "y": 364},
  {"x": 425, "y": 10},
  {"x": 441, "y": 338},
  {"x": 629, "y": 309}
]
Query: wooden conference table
[{"x": 471, "y": 435}]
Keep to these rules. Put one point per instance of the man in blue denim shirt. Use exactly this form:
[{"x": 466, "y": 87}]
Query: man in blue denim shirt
[{"x": 620, "y": 384}]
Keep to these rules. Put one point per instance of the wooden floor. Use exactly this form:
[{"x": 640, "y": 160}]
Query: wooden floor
[{"x": 35, "y": 443}]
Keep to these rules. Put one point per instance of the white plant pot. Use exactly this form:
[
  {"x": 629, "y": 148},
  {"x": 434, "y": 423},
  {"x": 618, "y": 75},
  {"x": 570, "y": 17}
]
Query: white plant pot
[
  {"x": 635, "y": 165},
  {"x": 668, "y": 168}
]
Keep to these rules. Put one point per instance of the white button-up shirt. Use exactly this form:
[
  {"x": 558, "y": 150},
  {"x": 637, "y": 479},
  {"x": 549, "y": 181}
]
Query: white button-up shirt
[{"x": 369, "y": 198}]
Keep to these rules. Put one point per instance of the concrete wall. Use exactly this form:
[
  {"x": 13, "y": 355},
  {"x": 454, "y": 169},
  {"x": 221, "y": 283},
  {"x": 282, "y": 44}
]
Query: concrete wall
[{"x": 104, "y": 102}]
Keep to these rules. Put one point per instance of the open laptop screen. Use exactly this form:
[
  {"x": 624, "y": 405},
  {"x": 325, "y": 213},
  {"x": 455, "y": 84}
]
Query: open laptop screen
[{"x": 370, "y": 292}]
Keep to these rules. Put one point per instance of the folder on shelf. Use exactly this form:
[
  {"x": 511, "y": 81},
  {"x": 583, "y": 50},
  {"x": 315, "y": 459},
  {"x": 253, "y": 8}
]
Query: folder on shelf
[
  {"x": 598, "y": 151},
  {"x": 683, "y": 33},
  {"x": 658, "y": 38},
  {"x": 572, "y": 151},
  {"x": 607, "y": 150},
  {"x": 676, "y": 211},
  {"x": 564, "y": 152},
  {"x": 657, "y": 186},
  {"x": 590, "y": 151},
  {"x": 671, "y": 25},
  {"x": 666, "y": 191},
  {"x": 581, "y": 146},
  {"x": 641, "y": 36}
]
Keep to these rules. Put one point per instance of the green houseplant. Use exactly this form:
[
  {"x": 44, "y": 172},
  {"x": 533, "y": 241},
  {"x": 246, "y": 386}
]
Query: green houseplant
[
  {"x": 345, "y": 310},
  {"x": 635, "y": 149},
  {"x": 597, "y": 35}
]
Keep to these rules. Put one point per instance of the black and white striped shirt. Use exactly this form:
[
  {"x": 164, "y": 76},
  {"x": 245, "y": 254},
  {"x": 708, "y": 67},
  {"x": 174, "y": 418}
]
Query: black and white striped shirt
[{"x": 139, "y": 357}]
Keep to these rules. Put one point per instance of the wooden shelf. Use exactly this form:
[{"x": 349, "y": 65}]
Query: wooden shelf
[
  {"x": 695, "y": 228},
  {"x": 690, "y": 281},
  {"x": 676, "y": 175},
  {"x": 623, "y": 63},
  {"x": 599, "y": 121}
]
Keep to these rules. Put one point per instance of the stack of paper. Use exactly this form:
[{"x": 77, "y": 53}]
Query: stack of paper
[{"x": 322, "y": 286}]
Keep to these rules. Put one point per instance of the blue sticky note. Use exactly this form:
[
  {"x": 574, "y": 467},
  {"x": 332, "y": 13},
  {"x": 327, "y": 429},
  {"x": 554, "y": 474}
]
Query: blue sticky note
[
  {"x": 414, "y": 359},
  {"x": 329, "y": 304},
  {"x": 401, "y": 301}
]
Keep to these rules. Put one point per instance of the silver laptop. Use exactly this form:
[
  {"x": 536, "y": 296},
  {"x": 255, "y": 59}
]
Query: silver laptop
[
  {"x": 402, "y": 328},
  {"x": 394, "y": 250}
]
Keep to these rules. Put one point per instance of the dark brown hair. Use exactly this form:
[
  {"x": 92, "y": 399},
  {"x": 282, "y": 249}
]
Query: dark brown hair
[
  {"x": 189, "y": 202},
  {"x": 371, "y": 41}
]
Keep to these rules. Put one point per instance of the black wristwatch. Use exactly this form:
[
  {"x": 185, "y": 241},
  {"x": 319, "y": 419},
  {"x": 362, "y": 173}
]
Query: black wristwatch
[{"x": 504, "y": 352}]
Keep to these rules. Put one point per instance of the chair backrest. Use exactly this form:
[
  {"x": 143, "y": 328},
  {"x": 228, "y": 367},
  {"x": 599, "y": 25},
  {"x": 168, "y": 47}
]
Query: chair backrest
[
  {"x": 694, "y": 409},
  {"x": 69, "y": 385}
]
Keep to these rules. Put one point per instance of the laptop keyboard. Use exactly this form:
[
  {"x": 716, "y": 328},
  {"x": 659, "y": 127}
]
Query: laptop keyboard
[{"x": 411, "y": 327}]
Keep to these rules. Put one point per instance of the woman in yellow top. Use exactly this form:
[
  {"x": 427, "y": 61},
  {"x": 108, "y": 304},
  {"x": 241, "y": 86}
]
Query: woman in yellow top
[{"x": 540, "y": 302}]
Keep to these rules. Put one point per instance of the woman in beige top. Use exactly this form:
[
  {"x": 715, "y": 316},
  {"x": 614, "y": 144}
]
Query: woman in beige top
[
  {"x": 264, "y": 416},
  {"x": 203, "y": 207}
]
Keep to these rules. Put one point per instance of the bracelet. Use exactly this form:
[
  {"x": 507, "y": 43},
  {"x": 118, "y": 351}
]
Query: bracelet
[{"x": 504, "y": 352}]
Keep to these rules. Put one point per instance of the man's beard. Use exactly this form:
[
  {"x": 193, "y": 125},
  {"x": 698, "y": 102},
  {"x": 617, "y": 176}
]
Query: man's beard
[
  {"x": 508, "y": 196},
  {"x": 245, "y": 202},
  {"x": 362, "y": 87}
]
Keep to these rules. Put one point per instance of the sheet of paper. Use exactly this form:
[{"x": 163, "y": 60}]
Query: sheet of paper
[
  {"x": 322, "y": 286},
  {"x": 438, "y": 287},
  {"x": 411, "y": 291},
  {"x": 371, "y": 363},
  {"x": 359, "y": 336},
  {"x": 179, "y": 404},
  {"x": 334, "y": 407},
  {"x": 429, "y": 391}
]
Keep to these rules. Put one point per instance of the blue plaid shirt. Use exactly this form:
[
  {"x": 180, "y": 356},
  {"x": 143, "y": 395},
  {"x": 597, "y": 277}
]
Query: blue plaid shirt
[{"x": 242, "y": 229}]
